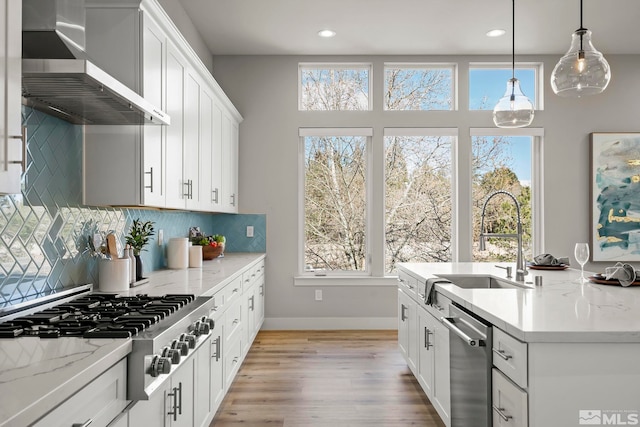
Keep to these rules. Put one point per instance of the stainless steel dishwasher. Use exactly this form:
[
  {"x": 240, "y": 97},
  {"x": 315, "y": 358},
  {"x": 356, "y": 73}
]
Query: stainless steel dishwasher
[{"x": 470, "y": 358}]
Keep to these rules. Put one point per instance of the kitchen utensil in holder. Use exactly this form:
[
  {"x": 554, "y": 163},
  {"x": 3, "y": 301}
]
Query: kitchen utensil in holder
[{"x": 113, "y": 275}]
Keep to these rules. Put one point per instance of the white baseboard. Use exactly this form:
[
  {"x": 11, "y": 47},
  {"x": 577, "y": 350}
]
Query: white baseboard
[{"x": 329, "y": 323}]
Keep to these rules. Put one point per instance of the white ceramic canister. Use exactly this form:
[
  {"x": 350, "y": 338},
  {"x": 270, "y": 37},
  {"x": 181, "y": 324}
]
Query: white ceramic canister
[
  {"x": 178, "y": 253},
  {"x": 113, "y": 275},
  {"x": 195, "y": 256}
]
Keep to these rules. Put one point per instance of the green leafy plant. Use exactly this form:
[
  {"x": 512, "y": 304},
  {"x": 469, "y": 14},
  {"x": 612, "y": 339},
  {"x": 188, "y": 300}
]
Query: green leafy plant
[{"x": 139, "y": 235}]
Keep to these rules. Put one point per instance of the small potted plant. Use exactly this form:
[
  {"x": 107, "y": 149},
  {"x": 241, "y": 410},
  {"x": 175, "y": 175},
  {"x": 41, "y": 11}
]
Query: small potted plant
[{"x": 138, "y": 237}]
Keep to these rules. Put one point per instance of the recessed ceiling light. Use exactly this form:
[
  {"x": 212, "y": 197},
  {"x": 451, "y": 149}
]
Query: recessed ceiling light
[
  {"x": 326, "y": 33},
  {"x": 496, "y": 33}
]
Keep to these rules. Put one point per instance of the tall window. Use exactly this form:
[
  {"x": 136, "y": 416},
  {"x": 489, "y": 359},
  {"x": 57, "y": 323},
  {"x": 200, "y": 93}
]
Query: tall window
[
  {"x": 488, "y": 82},
  {"x": 335, "y": 200},
  {"x": 419, "y": 87},
  {"x": 331, "y": 87},
  {"x": 418, "y": 195},
  {"x": 503, "y": 162}
]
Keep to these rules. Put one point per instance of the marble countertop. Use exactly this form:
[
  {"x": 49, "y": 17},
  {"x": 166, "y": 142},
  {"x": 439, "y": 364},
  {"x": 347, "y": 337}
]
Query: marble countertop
[
  {"x": 561, "y": 310},
  {"x": 36, "y": 375}
]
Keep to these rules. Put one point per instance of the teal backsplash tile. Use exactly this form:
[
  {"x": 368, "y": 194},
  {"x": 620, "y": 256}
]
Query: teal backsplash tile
[{"x": 44, "y": 231}]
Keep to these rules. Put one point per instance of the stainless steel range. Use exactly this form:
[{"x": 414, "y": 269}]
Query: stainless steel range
[{"x": 165, "y": 330}]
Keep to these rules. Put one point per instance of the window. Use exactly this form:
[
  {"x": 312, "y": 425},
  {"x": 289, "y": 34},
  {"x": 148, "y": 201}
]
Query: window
[
  {"x": 418, "y": 195},
  {"x": 335, "y": 200},
  {"x": 487, "y": 84},
  {"x": 503, "y": 161},
  {"x": 419, "y": 87},
  {"x": 367, "y": 201},
  {"x": 331, "y": 87}
]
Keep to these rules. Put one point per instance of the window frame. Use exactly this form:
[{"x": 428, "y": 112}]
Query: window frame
[
  {"x": 421, "y": 66},
  {"x": 333, "y": 132},
  {"x": 538, "y": 68},
  {"x": 336, "y": 66}
]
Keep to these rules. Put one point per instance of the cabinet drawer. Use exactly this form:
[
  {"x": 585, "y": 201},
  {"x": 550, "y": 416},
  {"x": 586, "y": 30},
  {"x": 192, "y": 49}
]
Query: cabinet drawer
[
  {"x": 510, "y": 356},
  {"x": 252, "y": 273},
  {"x": 408, "y": 284},
  {"x": 99, "y": 402},
  {"x": 232, "y": 360},
  {"x": 233, "y": 321},
  {"x": 233, "y": 291},
  {"x": 509, "y": 402}
]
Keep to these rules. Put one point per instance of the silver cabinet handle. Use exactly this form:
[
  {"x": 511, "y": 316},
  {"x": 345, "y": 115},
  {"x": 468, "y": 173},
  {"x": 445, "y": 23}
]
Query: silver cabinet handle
[
  {"x": 427, "y": 343},
  {"x": 23, "y": 162},
  {"x": 175, "y": 404},
  {"x": 186, "y": 184},
  {"x": 233, "y": 199},
  {"x": 500, "y": 412},
  {"x": 180, "y": 398},
  {"x": 150, "y": 173},
  {"x": 502, "y": 354},
  {"x": 84, "y": 424},
  {"x": 421, "y": 295},
  {"x": 216, "y": 342},
  {"x": 446, "y": 321},
  {"x": 190, "y": 189},
  {"x": 252, "y": 303},
  {"x": 261, "y": 290},
  {"x": 214, "y": 199},
  {"x": 402, "y": 316}
]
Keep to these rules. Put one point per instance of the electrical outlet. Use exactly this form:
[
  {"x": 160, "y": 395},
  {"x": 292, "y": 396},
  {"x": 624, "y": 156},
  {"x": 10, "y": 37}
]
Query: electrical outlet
[
  {"x": 160, "y": 237},
  {"x": 318, "y": 294},
  {"x": 249, "y": 230}
]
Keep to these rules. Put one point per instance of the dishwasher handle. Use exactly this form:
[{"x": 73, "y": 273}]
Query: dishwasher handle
[{"x": 448, "y": 323}]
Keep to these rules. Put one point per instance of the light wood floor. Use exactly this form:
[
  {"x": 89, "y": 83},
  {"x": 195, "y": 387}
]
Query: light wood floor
[{"x": 325, "y": 378}]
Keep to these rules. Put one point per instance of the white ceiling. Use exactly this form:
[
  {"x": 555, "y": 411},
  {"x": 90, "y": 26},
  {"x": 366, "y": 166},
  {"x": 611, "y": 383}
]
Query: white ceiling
[{"x": 415, "y": 27}]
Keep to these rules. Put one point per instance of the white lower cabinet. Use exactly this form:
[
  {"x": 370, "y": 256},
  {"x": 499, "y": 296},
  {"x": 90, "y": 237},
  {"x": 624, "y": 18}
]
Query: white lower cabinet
[
  {"x": 509, "y": 402},
  {"x": 98, "y": 403},
  {"x": 433, "y": 363},
  {"x": 407, "y": 329},
  {"x": 170, "y": 406}
]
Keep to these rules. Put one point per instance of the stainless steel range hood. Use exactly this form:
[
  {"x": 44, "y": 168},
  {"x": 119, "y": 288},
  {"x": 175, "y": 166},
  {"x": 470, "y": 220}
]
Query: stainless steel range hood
[{"x": 59, "y": 78}]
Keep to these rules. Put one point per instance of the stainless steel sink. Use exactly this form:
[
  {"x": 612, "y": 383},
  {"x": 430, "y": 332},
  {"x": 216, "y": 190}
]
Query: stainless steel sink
[{"x": 482, "y": 282}]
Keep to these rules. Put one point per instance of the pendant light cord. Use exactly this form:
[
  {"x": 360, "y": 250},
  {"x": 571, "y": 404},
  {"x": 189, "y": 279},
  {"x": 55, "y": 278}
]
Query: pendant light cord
[
  {"x": 581, "y": 29},
  {"x": 513, "y": 48}
]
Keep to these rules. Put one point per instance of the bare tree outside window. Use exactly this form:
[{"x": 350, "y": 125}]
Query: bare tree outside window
[
  {"x": 418, "y": 205},
  {"x": 334, "y": 89},
  {"x": 335, "y": 203},
  {"x": 413, "y": 88}
]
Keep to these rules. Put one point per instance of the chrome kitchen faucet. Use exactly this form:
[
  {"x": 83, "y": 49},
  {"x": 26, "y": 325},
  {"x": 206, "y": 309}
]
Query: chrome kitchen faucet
[{"x": 521, "y": 269}]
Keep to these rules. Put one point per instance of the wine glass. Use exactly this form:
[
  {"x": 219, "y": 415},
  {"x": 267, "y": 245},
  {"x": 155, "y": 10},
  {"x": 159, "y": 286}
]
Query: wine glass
[{"x": 581, "y": 252}]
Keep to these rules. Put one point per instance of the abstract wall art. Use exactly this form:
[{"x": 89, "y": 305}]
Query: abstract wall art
[{"x": 615, "y": 196}]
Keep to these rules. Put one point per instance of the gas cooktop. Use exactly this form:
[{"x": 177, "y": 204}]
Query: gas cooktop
[{"x": 96, "y": 316}]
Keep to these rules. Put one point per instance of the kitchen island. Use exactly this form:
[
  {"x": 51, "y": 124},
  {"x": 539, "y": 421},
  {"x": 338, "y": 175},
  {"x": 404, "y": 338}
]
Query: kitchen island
[
  {"x": 559, "y": 350},
  {"x": 37, "y": 375}
]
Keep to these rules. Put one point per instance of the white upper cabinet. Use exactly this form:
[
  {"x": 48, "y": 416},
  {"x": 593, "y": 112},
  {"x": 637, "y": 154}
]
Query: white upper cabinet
[
  {"x": 12, "y": 142},
  {"x": 176, "y": 70},
  {"x": 179, "y": 166},
  {"x": 229, "y": 167},
  {"x": 154, "y": 60}
]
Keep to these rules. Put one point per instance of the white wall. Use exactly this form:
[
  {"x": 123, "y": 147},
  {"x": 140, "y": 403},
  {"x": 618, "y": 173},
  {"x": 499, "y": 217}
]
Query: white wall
[{"x": 264, "y": 89}]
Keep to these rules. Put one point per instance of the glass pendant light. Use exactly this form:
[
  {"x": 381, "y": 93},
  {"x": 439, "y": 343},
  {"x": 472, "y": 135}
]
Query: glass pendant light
[
  {"x": 514, "y": 109},
  {"x": 582, "y": 70}
]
